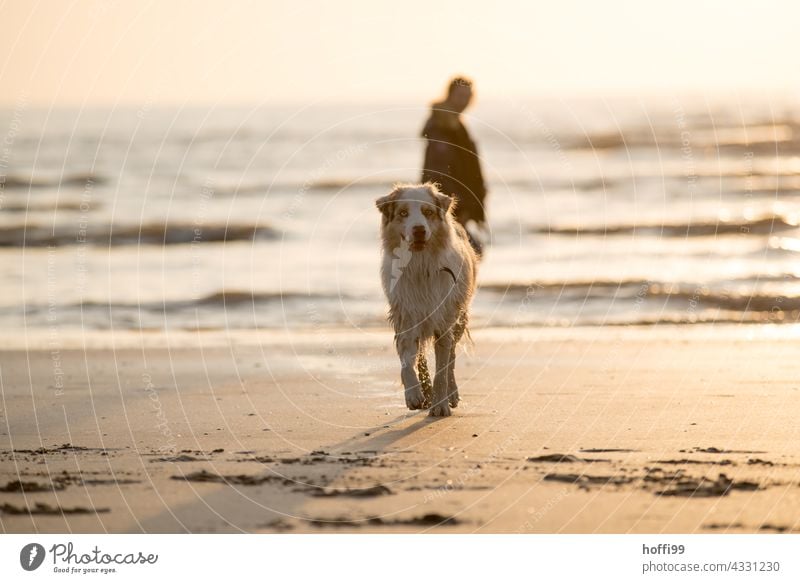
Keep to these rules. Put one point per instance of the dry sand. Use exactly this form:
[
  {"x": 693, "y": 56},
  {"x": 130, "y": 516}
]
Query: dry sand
[{"x": 596, "y": 430}]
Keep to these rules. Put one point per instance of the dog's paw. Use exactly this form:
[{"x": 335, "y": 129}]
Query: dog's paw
[
  {"x": 415, "y": 399},
  {"x": 452, "y": 393},
  {"x": 440, "y": 410}
]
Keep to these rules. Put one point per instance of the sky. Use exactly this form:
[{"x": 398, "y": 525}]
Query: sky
[{"x": 179, "y": 52}]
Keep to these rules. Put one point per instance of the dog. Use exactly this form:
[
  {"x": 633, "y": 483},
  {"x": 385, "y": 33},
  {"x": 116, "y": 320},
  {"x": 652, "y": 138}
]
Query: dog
[{"x": 428, "y": 274}]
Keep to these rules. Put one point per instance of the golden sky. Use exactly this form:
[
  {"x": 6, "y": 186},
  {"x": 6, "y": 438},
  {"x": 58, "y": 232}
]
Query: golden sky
[{"x": 65, "y": 52}]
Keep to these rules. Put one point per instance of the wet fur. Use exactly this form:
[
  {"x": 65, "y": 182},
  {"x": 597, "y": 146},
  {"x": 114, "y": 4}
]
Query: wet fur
[{"x": 426, "y": 305}]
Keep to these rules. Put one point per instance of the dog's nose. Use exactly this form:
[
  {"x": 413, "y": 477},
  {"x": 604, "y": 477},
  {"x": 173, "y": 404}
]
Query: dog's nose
[{"x": 418, "y": 232}]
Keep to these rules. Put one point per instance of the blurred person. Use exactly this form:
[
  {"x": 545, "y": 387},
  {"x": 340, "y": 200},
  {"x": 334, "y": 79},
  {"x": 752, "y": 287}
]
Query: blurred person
[{"x": 452, "y": 161}]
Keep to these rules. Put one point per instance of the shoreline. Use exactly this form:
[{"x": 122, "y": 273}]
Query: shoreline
[{"x": 123, "y": 338}]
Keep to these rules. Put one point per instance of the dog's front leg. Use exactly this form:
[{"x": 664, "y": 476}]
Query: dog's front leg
[
  {"x": 441, "y": 382},
  {"x": 407, "y": 349},
  {"x": 452, "y": 389},
  {"x": 458, "y": 331}
]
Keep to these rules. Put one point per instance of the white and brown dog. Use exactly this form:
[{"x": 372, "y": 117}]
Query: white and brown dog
[{"x": 428, "y": 275}]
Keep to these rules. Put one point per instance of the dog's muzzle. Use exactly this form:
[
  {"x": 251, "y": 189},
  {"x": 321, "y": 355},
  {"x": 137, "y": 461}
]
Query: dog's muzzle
[{"x": 418, "y": 238}]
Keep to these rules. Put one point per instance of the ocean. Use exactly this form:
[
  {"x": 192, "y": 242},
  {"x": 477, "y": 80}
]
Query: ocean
[{"x": 618, "y": 212}]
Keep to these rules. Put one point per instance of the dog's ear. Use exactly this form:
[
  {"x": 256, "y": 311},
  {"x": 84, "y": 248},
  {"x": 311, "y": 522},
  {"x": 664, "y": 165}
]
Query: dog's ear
[
  {"x": 386, "y": 205},
  {"x": 444, "y": 202}
]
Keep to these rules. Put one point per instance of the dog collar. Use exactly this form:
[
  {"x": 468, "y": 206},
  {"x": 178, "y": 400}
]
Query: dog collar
[{"x": 450, "y": 271}]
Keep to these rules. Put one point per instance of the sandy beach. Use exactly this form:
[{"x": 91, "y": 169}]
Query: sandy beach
[{"x": 595, "y": 430}]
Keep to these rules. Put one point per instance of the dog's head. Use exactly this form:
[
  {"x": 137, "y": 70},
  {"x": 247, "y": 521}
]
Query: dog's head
[{"x": 414, "y": 213}]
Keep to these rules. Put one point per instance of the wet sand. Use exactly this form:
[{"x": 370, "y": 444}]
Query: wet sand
[{"x": 560, "y": 431}]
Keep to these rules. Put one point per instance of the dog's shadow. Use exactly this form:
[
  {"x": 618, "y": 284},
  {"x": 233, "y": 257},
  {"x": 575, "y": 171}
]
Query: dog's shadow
[
  {"x": 368, "y": 444},
  {"x": 381, "y": 437}
]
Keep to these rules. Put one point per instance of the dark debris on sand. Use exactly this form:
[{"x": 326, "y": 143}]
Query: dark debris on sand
[
  {"x": 705, "y": 488},
  {"x": 41, "y": 508},
  {"x": 185, "y": 455},
  {"x": 563, "y": 458},
  {"x": 109, "y": 482},
  {"x": 235, "y": 480},
  {"x": 718, "y": 450},
  {"x": 686, "y": 461},
  {"x": 263, "y": 459},
  {"x": 30, "y": 487},
  {"x": 430, "y": 519},
  {"x": 759, "y": 462},
  {"x": 778, "y": 528},
  {"x": 661, "y": 482},
  {"x": 63, "y": 449},
  {"x": 371, "y": 492},
  {"x": 278, "y": 524},
  {"x": 723, "y": 526},
  {"x": 179, "y": 458},
  {"x": 584, "y": 480}
]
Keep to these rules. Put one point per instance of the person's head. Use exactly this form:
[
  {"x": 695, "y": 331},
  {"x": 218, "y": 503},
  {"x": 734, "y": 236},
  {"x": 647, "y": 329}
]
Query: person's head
[{"x": 459, "y": 94}]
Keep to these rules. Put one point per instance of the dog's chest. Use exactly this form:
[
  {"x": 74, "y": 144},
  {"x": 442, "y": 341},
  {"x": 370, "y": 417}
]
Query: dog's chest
[
  {"x": 422, "y": 289},
  {"x": 429, "y": 285}
]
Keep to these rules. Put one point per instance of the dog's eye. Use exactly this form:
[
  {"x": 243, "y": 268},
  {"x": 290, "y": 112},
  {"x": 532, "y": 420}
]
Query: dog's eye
[
  {"x": 403, "y": 213},
  {"x": 427, "y": 212}
]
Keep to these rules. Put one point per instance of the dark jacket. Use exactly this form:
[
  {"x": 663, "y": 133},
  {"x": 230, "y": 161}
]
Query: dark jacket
[{"x": 452, "y": 162}]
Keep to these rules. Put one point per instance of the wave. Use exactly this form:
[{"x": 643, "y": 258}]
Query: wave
[
  {"x": 694, "y": 296},
  {"x": 764, "y": 225},
  {"x": 232, "y": 135},
  {"x": 234, "y": 297},
  {"x": 553, "y": 286},
  {"x": 767, "y": 138},
  {"x": 777, "y": 184},
  {"x": 147, "y": 234},
  {"x": 315, "y": 187},
  {"x": 220, "y": 190},
  {"x": 56, "y": 206},
  {"x": 350, "y": 182},
  {"x": 225, "y": 309},
  {"x": 33, "y": 182},
  {"x": 220, "y": 299}
]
